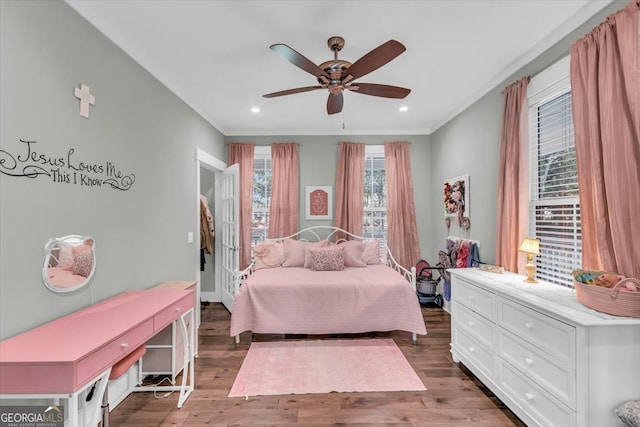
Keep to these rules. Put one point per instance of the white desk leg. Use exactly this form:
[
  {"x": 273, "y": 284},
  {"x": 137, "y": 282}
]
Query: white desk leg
[
  {"x": 73, "y": 410},
  {"x": 188, "y": 349}
]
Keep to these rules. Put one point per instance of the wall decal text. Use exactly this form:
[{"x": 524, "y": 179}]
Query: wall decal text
[{"x": 66, "y": 169}]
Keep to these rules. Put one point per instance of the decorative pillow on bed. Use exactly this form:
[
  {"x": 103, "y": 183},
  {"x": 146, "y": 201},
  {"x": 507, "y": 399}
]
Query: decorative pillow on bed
[
  {"x": 327, "y": 259},
  {"x": 371, "y": 252},
  {"x": 294, "y": 251},
  {"x": 65, "y": 257},
  {"x": 268, "y": 254},
  {"x": 83, "y": 261},
  {"x": 353, "y": 250}
]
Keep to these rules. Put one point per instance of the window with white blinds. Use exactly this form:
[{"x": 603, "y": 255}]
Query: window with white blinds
[
  {"x": 375, "y": 194},
  {"x": 554, "y": 209},
  {"x": 261, "y": 193}
]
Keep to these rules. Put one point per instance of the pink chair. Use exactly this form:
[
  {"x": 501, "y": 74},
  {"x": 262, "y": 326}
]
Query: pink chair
[{"x": 117, "y": 371}]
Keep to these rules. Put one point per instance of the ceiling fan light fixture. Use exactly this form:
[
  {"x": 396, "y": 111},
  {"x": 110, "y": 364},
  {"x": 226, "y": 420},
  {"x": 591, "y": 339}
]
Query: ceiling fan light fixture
[
  {"x": 336, "y": 75},
  {"x": 403, "y": 108},
  {"x": 255, "y": 109}
]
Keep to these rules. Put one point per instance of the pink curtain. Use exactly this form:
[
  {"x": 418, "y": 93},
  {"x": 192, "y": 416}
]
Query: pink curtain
[
  {"x": 243, "y": 155},
  {"x": 605, "y": 86},
  {"x": 402, "y": 231},
  {"x": 283, "y": 208},
  {"x": 513, "y": 191},
  {"x": 349, "y": 209}
]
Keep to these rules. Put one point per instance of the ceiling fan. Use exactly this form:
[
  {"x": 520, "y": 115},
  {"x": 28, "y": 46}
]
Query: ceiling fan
[{"x": 337, "y": 75}]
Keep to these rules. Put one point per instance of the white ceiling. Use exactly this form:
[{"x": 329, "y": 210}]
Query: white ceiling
[{"x": 215, "y": 55}]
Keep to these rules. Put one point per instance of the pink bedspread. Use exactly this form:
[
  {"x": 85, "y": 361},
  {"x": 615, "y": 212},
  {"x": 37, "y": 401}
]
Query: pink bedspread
[
  {"x": 298, "y": 300},
  {"x": 63, "y": 278}
]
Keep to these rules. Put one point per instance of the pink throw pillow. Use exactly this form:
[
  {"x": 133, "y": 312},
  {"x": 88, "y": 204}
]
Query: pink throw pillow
[
  {"x": 371, "y": 252},
  {"x": 294, "y": 251},
  {"x": 83, "y": 263},
  {"x": 327, "y": 259},
  {"x": 268, "y": 254},
  {"x": 353, "y": 250},
  {"x": 65, "y": 257}
]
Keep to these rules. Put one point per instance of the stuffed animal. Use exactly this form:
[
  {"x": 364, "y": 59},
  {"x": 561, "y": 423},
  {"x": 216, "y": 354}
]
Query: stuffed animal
[{"x": 610, "y": 280}]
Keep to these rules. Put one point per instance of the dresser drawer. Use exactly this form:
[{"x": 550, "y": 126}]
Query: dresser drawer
[
  {"x": 533, "y": 399},
  {"x": 172, "y": 312},
  {"x": 551, "y": 335},
  {"x": 559, "y": 379},
  {"x": 475, "y": 352},
  {"x": 477, "y": 299},
  {"x": 110, "y": 353},
  {"x": 475, "y": 325}
]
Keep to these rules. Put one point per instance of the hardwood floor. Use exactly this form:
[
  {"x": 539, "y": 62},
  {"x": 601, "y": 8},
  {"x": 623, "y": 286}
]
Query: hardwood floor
[{"x": 454, "y": 398}]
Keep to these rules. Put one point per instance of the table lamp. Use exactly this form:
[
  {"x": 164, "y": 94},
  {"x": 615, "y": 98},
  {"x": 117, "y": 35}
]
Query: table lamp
[{"x": 531, "y": 247}]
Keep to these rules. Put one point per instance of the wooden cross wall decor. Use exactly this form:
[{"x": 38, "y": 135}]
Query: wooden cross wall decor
[{"x": 86, "y": 99}]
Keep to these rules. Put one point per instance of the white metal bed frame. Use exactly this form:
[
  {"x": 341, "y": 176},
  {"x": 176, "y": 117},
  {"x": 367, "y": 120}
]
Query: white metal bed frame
[{"x": 332, "y": 233}]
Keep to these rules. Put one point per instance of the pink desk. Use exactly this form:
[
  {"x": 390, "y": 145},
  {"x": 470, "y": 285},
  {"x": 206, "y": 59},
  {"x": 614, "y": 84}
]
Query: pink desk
[{"x": 64, "y": 357}]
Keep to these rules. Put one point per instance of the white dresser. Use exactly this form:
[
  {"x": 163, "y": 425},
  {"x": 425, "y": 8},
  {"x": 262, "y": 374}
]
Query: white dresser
[{"x": 551, "y": 360}]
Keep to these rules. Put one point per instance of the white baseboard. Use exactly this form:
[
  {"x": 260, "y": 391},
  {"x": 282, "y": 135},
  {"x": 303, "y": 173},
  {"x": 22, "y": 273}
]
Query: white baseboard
[
  {"x": 209, "y": 297},
  {"x": 447, "y": 306}
]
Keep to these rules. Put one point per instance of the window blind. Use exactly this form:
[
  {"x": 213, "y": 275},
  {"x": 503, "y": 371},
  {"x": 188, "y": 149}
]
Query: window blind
[
  {"x": 261, "y": 197},
  {"x": 555, "y": 207},
  {"x": 375, "y": 195}
]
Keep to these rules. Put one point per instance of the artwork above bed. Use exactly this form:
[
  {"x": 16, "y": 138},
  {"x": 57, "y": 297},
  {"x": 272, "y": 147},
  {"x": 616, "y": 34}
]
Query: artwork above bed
[{"x": 321, "y": 286}]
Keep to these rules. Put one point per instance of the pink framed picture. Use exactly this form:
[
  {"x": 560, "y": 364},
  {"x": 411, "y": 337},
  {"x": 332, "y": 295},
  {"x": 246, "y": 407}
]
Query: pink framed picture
[{"x": 318, "y": 202}]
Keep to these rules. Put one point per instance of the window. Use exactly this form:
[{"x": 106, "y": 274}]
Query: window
[
  {"x": 261, "y": 193},
  {"x": 375, "y": 194},
  {"x": 554, "y": 208}
]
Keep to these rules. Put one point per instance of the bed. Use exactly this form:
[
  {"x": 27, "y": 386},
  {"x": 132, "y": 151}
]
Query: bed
[{"x": 304, "y": 284}]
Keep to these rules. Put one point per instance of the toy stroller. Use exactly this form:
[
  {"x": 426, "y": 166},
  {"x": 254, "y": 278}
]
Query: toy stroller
[{"x": 426, "y": 284}]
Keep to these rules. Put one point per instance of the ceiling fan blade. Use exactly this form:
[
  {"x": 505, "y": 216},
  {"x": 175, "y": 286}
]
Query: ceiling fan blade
[
  {"x": 374, "y": 59},
  {"x": 384, "y": 91},
  {"x": 292, "y": 91},
  {"x": 298, "y": 59},
  {"x": 334, "y": 103}
]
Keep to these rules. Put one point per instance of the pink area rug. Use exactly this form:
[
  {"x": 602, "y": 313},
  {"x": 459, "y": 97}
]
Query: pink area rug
[{"x": 324, "y": 366}]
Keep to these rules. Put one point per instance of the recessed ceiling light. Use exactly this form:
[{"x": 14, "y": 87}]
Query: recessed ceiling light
[
  {"x": 403, "y": 108},
  {"x": 255, "y": 109}
]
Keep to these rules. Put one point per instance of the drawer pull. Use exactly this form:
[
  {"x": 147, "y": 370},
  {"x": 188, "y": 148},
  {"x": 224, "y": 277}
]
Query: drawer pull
[
  {"x": 471, "y": 297},
  {"x": 472, "y": 349},
  {"x": 177, "y": 308},
  {"x": 528, "y": 325},
  {"x": 124, "y": 345},
  {"x": 528, "y": 360},
  {"x": 471, "y": 322},
  {"x": 529, "y": 396}
]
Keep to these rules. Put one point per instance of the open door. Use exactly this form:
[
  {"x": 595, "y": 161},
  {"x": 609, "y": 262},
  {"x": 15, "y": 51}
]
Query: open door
[{"x": 228, "y": 199}]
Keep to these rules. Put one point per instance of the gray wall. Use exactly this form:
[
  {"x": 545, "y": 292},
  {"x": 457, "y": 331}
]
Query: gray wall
[
  {"x": 47, "y": 50},
  {"x": 470, "y": 144},
  {"x": 319, "y": 160}
]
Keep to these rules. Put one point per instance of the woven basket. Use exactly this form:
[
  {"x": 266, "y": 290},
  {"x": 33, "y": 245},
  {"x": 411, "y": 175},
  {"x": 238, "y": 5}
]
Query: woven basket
[{"x": 609, "y": 300}]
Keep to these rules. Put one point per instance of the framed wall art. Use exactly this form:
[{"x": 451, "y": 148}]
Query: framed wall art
[
  {"x": 456, "y": 198},
  {"x": 318, "y": 202}
]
